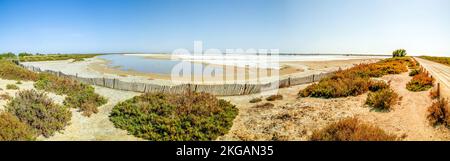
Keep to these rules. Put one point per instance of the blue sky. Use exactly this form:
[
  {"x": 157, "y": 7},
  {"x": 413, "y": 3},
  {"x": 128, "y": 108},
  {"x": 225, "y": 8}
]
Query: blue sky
[{"x": 304, "y": 26}]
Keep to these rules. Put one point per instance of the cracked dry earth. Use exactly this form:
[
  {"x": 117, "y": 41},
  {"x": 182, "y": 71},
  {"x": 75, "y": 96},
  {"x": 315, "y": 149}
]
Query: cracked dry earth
[{"x": 296, "y": 118}]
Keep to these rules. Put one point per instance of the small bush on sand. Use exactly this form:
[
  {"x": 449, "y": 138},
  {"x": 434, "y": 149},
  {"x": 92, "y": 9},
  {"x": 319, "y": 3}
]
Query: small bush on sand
[
  {"x": 12, "y": 129},
  {"x": 351, "y": 129},
  {"x": 414, "y": 72},
  {"x": 12, "y": 87},
  {"x": 375, "y": 86},
  {"x": 38, "y": 111},
  {"x": 175, "y": 117},
  {"x": 274, "y": 97},
  {"x": 420, "y": 82},
  {"x": 439, "y": 113},
  {"x": 382, "y": 100},
  {"x": 264, "y": 105},
  {"x": 19, "y": 82},
  {"x": 79, "y": 95},
  {"x": 87, "y": 101},
  {"x": 255, "y": 100}
]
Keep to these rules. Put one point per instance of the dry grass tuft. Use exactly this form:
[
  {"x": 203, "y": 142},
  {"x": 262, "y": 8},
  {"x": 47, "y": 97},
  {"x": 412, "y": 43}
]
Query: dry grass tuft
[{"x": 351, "y": 129}]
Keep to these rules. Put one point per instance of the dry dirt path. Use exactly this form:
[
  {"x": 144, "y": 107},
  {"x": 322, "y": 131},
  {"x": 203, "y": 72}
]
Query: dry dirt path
[{"x": 408, "y": 118}]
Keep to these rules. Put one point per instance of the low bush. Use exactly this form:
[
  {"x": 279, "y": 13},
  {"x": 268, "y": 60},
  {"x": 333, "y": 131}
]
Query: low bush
[
  {"x": 351, "y": 129},
  {"x": 12, "y": 87},
  {"x": 175, "y": 117},
  {"x": 79, "y": 95},
  {"x": 255, "y": 100},
  {"x": 414, "y": 72},
  {"x": 87, "y": 101},
  {"x": 18, "y": 82},
  {"x": 375, "y": 86},
  {"x": 439, "y": 113},
  {"x": 420, "y": 82},
  {"x": 274, "y": 97},
  {"x": 38, "y": 111},
  {"x": 382, "y": 100},
  {"x": 12, "y": 129},
  {"x": 264, "y": 105}
]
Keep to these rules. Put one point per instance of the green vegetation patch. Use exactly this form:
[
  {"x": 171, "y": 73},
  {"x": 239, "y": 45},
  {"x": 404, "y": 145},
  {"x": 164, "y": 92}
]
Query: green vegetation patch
[
  {"x": 175, "y": 117},
  {"x": 79, "y": 95},
  {"x": 53, "y": 57},
  {"x": 39, "y": 111},
  {"x": 351, "y": 129}
]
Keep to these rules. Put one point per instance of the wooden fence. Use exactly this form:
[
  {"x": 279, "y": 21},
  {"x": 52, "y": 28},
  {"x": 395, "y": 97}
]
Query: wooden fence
[{"x": 219, "y": 89}]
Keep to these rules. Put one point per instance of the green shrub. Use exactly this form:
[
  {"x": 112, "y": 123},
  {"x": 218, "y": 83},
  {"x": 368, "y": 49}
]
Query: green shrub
[
  {"x": 174, "y": 117},
  {"x": 79, "y": 95},
  {"x": 87, "y": 101},
  {"x": 420, "y": 82},
  {"x": 18, "y": 82},
  {"x": 255, "y": 100},
  {"x": 8, "y": 56},
  {"x": 12, "y": 87},
  {"x": 382, "y": 100},
  {"x": 274, "y": 97},
  {"x": 38, "y": 111},
  {"x": 439, "y": 113},
  {"x": 351, "y": 129},
  {"x": 414, "y": 72},
  {"x": 12, "y": 129},
  {"x": 399, "y": 53}
]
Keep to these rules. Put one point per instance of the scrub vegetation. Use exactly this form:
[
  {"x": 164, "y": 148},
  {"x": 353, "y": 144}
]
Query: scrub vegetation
[
  {"x": 175, "y": 117},
  {"x": 356, "y": 80},
  {"x": 351, "y": 129}
]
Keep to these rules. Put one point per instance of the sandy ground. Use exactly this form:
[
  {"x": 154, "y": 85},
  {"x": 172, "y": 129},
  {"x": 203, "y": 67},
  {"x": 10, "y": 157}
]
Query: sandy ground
[
  {"x": 296, "y": 118},
  {"x": 97, "y": 127},
  {"x": 26, "y": 85},
  {"x": 98, "y": 68}
]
